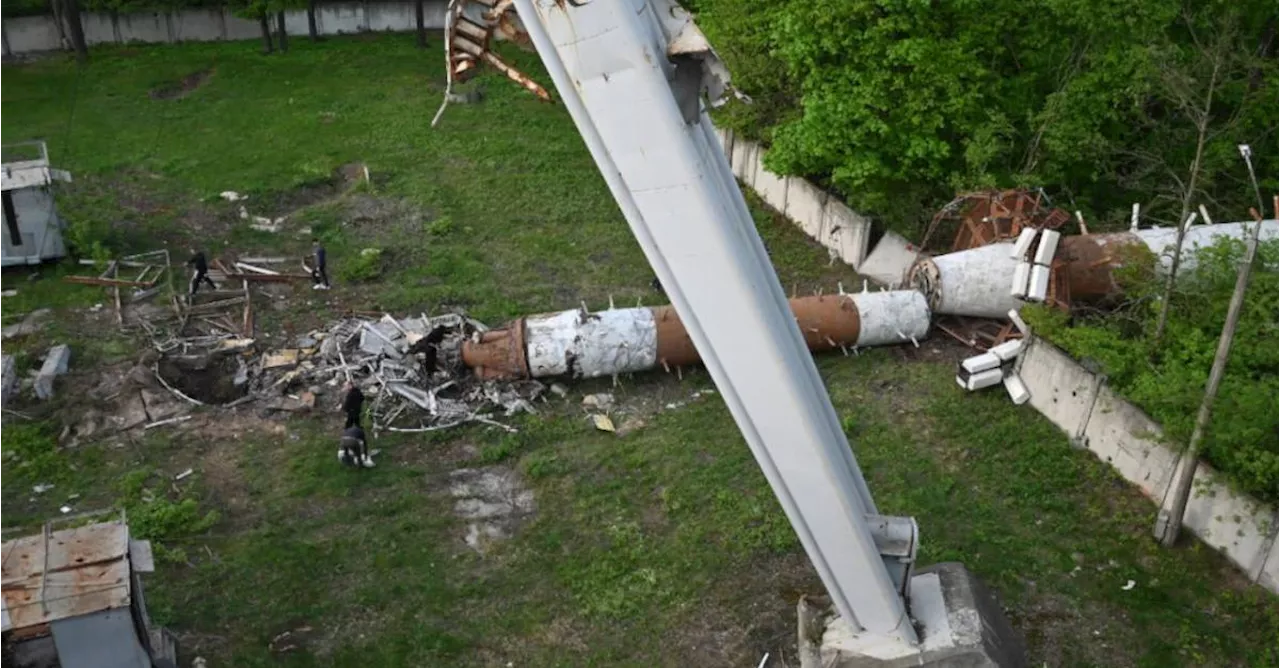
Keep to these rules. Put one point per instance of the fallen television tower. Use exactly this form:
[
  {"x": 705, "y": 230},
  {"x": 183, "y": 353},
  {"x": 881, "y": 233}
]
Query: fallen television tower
[{"x": 584, "y": 344}]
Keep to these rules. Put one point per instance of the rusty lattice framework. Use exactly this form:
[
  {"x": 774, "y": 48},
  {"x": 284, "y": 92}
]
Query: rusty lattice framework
[{"x": 471, "y": 29}]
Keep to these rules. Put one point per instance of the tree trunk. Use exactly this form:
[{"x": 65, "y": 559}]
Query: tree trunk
[
  {"x": 1189, "y": 192},
  {"x": 282, "y": 37},
  {"x": 312, "y": 32},
  {"x": 60, "y": 23},
  {"x": 72, "y": 13},
  {"x": 266, "y": 32},
  {"x": 422, "y": 24}
]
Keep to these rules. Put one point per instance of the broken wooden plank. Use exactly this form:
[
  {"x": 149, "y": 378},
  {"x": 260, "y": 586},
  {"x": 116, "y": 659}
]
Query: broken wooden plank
[
  {"x": 105, "y": 282},
  {"x": 268, "y": 278},
  {"x": 264, "y": 260},
  {"x": 257, "y": 270},
  {"x": 111, "y": 270},
  {"x": 214, "y": 306}
]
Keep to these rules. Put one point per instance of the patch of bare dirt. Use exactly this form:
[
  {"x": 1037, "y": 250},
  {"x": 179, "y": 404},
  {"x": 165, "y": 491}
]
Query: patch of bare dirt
[
  {"x": 748, "y": 616},
  {"x": 493, "y": 501},
  {"x": 182, "y": 87}
]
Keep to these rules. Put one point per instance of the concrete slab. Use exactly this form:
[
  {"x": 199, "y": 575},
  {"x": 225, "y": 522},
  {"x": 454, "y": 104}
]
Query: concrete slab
[
  {"x": 10, "y": 385},
  {"x": 805, "y": 204},
  {"x": 769, "y": 186},
  {"x": 1234, "y": 524},
  {"x": 1116, "y": 425},
  {"x": 745, "y": 159},
  {"x": 1268, "y": 576},
  {"x": 1061, "y": 389},
  {"x": 846, "y": 232},
  {"x": 889, "y": 262},
  {"x": 960, "y": 623},
  {"x": 55, "y": 364}
]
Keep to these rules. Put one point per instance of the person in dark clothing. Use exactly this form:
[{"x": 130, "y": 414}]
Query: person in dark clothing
[
  {"x": 319, "y": 273},
  {"x": 352, "y": 405},
  {"x": 201, "y": 267},
  {"x": 352, "y": 449}
]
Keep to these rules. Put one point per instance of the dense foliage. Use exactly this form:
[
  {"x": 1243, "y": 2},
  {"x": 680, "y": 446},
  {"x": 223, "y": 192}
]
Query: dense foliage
[
  {"x": 1169, "y": 383},
  {"x": 896, "y": 104}
]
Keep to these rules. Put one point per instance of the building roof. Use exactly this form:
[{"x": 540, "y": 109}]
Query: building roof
[{"x": 67, "y": 573}]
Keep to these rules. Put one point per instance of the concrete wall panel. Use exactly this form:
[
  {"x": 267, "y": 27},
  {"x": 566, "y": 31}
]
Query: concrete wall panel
[
  {"x": 890, "y": 260},
  {"x": 26, "y": 34},
  {"x": 1118, "y": 426},
  {"x": 1228, "y": 521},
  {"x": 769, "y": 186},
  {"x": 805, "y": 204},
  {"x": 845, "y": 231},
  {"x": 198, "y": 25},
  {"x": 1061, "y": 389}
]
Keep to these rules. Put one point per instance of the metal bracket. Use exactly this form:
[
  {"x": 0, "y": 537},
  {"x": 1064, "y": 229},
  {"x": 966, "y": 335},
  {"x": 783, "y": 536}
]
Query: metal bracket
[{"x": 897, "y": 539}]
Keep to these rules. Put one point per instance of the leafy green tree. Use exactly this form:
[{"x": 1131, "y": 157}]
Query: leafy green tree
[{"x": 896, "y": 104}]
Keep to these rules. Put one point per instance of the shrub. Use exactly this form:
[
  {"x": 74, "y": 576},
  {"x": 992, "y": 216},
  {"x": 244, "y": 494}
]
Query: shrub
[
  {"x": 164, "y": 521},
  {"x": 1169, "y": 383},
  {"x": 365, "y": 266}
]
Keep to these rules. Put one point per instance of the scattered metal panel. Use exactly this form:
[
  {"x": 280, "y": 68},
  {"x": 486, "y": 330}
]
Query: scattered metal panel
[
  {"x": 65, "y": 573},
  {"x": 102, "y": 639}
]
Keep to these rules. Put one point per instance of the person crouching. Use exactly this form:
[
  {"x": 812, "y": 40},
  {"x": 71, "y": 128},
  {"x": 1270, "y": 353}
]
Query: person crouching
[{"x": 353, "y": 451}]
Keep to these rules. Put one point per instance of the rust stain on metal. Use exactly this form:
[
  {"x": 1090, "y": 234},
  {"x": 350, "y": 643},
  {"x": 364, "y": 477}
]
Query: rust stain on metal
[
  {"x": 66, "y": 573},
  {"x": 498, "y": 353},
  {"x": 675, "y": 348},
  {"x": 827, "y": 321},
  {"x": 1088, "y": 263}
]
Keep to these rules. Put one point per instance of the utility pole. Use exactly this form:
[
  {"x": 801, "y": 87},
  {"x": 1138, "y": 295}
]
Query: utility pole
[
  {"x": 1169, "y": 519},
  {"x": 632, "y": 76}
]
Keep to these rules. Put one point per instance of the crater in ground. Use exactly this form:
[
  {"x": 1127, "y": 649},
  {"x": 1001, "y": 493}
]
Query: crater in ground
[
  {"x": 183, "y": 87},
  {"x": 211, "y": 379}
]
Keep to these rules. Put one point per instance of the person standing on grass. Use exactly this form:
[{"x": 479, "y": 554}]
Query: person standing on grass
[
  {"x": 319, "y": 274},
  {"x": 201, "y": 267},
  {"x": 353, "y": 405},
  {"x": 352, "y": 449}
]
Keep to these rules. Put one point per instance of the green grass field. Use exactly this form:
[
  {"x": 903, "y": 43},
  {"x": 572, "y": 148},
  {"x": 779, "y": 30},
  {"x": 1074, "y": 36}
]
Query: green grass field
[{"x": 661, "y": 547}]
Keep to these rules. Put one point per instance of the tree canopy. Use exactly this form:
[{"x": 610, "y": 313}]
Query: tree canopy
[{"x": 897, "y": 104}]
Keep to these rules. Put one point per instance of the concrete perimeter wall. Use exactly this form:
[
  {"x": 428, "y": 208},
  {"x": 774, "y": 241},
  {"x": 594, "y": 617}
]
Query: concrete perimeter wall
[
  {"x": 33, "y": 34},
  {"x": 1119, "y": 433},
  {"x": 827, "y": 220}
]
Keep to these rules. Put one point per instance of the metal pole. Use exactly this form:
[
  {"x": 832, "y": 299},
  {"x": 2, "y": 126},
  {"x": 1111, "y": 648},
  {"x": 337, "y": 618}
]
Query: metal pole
[{"x": 609, "y": 61}]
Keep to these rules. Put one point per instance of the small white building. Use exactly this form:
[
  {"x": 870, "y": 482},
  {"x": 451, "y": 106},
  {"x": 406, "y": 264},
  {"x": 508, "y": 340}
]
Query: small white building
[{"x": 32, "y": 227}]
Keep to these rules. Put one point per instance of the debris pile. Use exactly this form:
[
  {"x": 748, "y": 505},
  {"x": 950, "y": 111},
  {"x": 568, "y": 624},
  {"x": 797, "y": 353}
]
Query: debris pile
[{"x": 411, "y": 367}]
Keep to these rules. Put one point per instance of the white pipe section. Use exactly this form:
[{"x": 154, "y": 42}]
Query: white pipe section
[
  {"x": 1161, "y": 241},
  {"x": 896, "y": 316},
  {"x": 976, "y": 282},
  {"x": 591, "y": 345},
  {"x": 610, "y": 66}
]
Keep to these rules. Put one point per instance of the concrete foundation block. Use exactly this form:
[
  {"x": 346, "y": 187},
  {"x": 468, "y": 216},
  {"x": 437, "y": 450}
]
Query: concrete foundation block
[
  {"x": 805, "y": 204},
  {"x": 959, "y": 622},
  {"x": 55, "y": 364}
]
